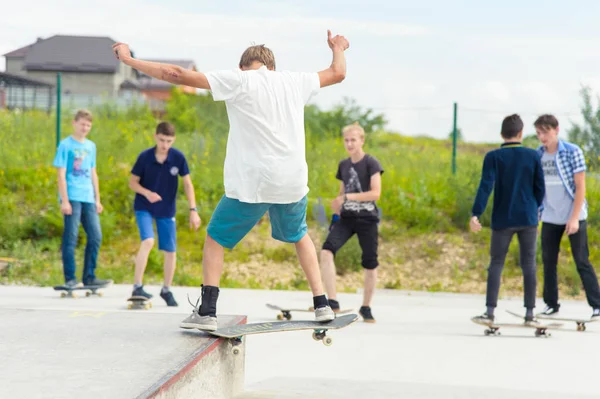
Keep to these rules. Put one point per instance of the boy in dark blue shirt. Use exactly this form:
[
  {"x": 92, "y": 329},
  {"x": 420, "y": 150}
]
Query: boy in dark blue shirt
[
  {"x": 154, "y": 178},
  {"x": 515, "y": 173}
]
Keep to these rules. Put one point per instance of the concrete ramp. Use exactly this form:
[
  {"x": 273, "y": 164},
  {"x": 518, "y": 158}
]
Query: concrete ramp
[{"x": 104, "y": 351}]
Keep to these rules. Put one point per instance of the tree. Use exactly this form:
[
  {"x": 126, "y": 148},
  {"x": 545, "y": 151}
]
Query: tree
[
  {"x": 329, "y": 123},
  {"x": 587, "y": 135}
]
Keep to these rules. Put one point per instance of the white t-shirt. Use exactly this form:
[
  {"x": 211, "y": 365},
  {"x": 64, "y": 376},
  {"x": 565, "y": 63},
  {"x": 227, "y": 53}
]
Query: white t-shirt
[{"x": 265, "y": 159}]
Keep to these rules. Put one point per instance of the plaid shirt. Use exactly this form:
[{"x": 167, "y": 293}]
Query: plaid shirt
[{"x": 569, "y": 161}]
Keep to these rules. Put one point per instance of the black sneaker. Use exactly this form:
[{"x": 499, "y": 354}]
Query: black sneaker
[
  {"x": 96, "y": 281},
  {"x": 550, "y": 310},
  {"x": 169, "y": 298},
  {"x": 365, "y": 312},
  {"x": 484, "y": 318},
  {"x": 139, "y": 291}
]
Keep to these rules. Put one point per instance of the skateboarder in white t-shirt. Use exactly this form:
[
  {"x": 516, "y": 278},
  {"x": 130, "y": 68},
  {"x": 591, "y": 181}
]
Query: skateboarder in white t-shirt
[{"x": 265, "y": 164}]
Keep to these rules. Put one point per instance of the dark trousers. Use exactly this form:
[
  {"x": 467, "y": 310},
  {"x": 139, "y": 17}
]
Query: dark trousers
[
  {"x": 551, "y": 237},
  {"x": 499, "y": 248}
]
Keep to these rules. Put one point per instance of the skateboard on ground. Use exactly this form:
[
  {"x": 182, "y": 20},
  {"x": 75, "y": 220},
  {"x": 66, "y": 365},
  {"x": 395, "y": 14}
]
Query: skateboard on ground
[
  {"x": 139, "y": 302},
  {"x": 235, "y": 333},
  {"x": 493, "y": 327},
  {"x": 286, "y": 312},
  {"x": 580, "y": 322},
  {"x": 89, "y": 290}
]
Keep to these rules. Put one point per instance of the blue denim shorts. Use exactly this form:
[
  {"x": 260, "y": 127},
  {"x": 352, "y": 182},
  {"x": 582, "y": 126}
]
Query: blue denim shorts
[
  {"x": 165, "y": 227},
  {"x": 232, "y": 220}
]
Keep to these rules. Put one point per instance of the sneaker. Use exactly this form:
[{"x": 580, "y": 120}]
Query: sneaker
[
  {"x": 365, "y": 312},
  {"x": 96, "y": 281},
  {"x": 596, "y": 314},
  {"x": 73, "y": 284},
  {"x": 169, "y": 298},
  {"x": 550, "y": 310},
  {"x": 324, "y": 314},
  {"x": 531, "y": 321},
  {"x": 139, "y": 291},
  {"x": 333, "y": 304},
  {"x": 203, "y": 323},
  {"x": 484, "y": 318}
]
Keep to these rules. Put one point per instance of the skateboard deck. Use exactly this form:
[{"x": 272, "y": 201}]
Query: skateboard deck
[
  {"x": 285, "y": 313},
  {"x": 580, "y": 322},
  {"x": 540, "y": 329},
  {"x": 235, "y": 333},
  {"x": 139, "y": 302},
  {"x": 89, "y": 290}
]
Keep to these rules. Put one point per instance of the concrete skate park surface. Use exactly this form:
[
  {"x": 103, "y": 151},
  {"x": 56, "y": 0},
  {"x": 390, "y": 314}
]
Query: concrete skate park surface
[
  {"x": 52, "y": 347},
  {"x": 422, "y": 346}
]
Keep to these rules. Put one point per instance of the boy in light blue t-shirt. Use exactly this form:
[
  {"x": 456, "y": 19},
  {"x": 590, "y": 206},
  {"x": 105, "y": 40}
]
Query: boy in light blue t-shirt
[{"x": 80, "y": 199}]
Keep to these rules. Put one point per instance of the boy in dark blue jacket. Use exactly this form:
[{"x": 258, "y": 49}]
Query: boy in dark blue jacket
[{"x": 516, "y": 175}]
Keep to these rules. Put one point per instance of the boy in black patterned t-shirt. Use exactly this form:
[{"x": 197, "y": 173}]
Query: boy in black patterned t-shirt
[{"x": 360, "y": 187}]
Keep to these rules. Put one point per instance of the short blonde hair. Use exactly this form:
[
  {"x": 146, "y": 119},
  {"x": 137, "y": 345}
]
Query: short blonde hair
[
  {"x": 83, "y": 114},
  {"x": 354, "y": 127},
  {"x": 258, "y": 53}
]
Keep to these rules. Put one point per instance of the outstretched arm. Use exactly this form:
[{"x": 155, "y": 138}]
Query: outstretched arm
[
  {"x": 168, "y": 72},
  {"x": 336, "y": 72}
]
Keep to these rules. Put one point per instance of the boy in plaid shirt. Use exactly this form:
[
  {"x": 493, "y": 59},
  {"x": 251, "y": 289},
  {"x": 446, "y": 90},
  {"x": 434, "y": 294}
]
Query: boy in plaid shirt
[{"x": 564, "y": 211}]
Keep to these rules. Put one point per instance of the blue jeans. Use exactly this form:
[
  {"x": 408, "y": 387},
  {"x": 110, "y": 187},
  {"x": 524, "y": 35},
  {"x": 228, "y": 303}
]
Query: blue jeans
[{"x": 86, "y": 214}]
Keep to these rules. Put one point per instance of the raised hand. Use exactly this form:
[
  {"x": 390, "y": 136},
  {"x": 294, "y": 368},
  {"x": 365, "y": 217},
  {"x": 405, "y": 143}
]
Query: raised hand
[
  {"x": 337, "y": 42},
  {"x": 121, "y": 50}
]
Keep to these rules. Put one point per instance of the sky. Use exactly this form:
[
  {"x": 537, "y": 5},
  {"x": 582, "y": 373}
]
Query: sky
[{"x": 410, "y": 60}]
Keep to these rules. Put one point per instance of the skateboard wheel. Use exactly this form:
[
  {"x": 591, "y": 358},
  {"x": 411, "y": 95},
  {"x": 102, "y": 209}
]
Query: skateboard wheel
[
  {"x": 150, "y": 304},
  {"x": 288, "y": 317},
  {"x": 129, "y": 306},
  {"x": 101, "y": 294},
  {"x": 279, "y": 317},
  {"x": 147, "y": 306},
  {"x": 63, "y": 294},
  {"x": 235, "y": 351},
  {"x": 327, "y": 341},
  {"x": 88, "y": 293},
  {"x": 315, "y": 336}
]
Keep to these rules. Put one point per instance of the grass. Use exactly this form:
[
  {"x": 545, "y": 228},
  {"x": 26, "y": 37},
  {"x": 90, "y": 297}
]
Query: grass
[{"x": 424, "y": 244}]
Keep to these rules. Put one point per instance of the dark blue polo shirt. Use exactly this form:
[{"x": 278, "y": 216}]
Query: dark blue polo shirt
[
  {"x": 160, "y": 178},
  {"x": 516, "y": 176}
]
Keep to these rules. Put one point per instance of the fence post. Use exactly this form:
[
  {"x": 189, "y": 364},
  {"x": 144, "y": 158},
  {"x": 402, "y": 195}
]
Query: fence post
[
  {"x": 58, "y": 110},
  {"x": 454, "y": 134}
]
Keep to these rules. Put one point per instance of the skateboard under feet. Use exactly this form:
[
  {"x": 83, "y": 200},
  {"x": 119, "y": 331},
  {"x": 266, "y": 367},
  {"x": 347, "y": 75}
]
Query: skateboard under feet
[
  {"x": 139, "y": 302},
  {"x": 286, "y": 313},
  {"x": 235, "y": 333},
  {"x": 89, "y": 290}
]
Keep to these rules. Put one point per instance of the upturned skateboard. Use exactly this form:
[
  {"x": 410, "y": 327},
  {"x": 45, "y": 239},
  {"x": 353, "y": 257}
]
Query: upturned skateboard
[
  {"x": 493, "y": 327},
  {"x": 235, "y": 333},
  {"x": 139, "y": 302},
  {"x": 89, "y": 290},
  {"x": 285, "y": 313},
  {"x": 580, "y": 322}
]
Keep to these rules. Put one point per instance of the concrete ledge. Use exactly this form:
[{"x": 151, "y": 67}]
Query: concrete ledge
[{"x": 210, "y": 372}]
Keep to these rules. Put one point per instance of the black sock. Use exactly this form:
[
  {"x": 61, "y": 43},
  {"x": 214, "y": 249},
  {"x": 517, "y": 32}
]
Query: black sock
[
  {"x": 320, "y": 301},
  {"x": 490, "y": 311},
  {"x": 529, "y": 313},
  {"x": 333, "y": 304},
  {"x": 210, "y": 295}
]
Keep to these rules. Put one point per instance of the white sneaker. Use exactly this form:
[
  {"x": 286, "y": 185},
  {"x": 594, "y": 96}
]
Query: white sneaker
[
  {"x": 324, "y": 314},
  {"x": 204, "y": 323}
]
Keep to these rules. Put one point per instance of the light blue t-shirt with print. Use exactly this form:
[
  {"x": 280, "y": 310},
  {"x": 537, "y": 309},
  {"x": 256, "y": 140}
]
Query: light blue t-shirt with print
[
  {"x": 558, "y": 204},
  {"x": 78, "y": 158}
]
